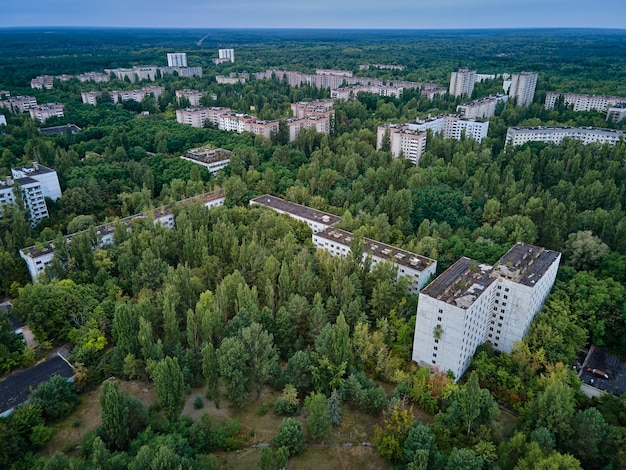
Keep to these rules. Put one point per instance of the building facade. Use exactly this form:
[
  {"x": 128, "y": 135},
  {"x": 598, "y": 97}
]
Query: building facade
[
  {"x": 418, "y": 269},
  {"x": 403, "y": 142},
  {"x": 18, "y": 104},
  {"x": 42, "y": 82},
  {"x": 228, "y": 54},
  {"x": 462, "y": 82},
  {"x": 44, "y": 111},
  {"x": 523, "y": 87},
  {"x": 581, "y": 102},
  {"x": 482, "y": 108},
  {"x": 555, "y": 135},
  {"x": 471, "y": 303},
  {"x": 177, "y": 59},
  {"x": 90, "y": 97}
]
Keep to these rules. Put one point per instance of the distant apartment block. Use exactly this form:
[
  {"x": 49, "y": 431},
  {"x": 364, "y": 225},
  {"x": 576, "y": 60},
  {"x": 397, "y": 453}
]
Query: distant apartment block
[
  {"x": 95, "y": 77},
  {"x": 453, "y": 127},
  {"x": 136, "y": 95},
  {"x": 462, "y": 82},
  {"x": 481, "y": 108},
  {"x": 340, "y": 73},
  {"x": 4, "y": 94},
  {"x": 35, "y": 183},
  {"x": 144, "y": 72},
  {"x": 193, "y": 96},
  {"x": 228, "y": 54},
  {"x": 381, "y": 66},
  {"x": 227, "y": 120},
  {"x": 523, "y": 87},
  {"x": 471, "y": 303},
  {"x": 404, "y": 142},
  {"x": 37, "y": 258},
  {"x": 213, "y": 159},
  {"x": 312, "y": 108},
  {"x": 418, "y": 269},
  {"x": 176, "y": 59},
  {"x": 351, "y": 92},
  {"x": 580, "y": 102},
  {"x": 42, "y": 81},
  {"x": 44, "y": 111},
  {"x": 616, "y": 113},
  {"x": 18, "y": 104},
  {"x": 555, "y": 135},
  {"x": 90, "y": 97},
  {"x": 431, "y": 92},
  {"x": 181, "y": 71},
  {"x": 230, "y": 80}
]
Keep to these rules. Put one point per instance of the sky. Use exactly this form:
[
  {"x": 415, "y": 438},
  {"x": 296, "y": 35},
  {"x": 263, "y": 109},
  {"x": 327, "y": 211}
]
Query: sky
[{"x": 384, "y": 14}]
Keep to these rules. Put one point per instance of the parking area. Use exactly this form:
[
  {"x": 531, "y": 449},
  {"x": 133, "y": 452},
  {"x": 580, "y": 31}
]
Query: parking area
[{"x": 613, "y": 366}]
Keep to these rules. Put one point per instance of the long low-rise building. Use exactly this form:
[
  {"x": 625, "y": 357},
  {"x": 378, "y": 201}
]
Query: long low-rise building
[
  {"x": 38, "y": 257},
  {"x": 472, "y": 303},
  {"x": 555, "y": 135},
  {"x": 418, "y": 269},
  {"x": 18, "y": 104},
  {"x": 316, "y": 220},
  {"x": 582, "y": 102}
]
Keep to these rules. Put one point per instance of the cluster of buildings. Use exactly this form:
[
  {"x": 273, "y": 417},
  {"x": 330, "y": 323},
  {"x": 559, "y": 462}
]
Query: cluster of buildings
[
  {"x": 21, "y": 104},
  {"x": 32, "y": 184},
  {"x": 334, "y": 79},
  {"x": 91, "y": 97},
  {"x": 409, "y": 140},
  {"x": 37, "y": 258},
  {"x": 555, "y": 135},
  {"x": 308, "y": 115},
  {"x": 472, "y": 303},
  {"x": 468, "y": 304},
  {"x": 213, "y": 159},
  {"x": 614, "y": 106},
  {"x": 47, "y": 81},
  {"x": 521, "y": 87},
  {"x": 337, "y": 242}
]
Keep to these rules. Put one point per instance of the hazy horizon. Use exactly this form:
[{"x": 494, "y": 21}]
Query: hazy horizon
[{"x": 322, "y": 14}]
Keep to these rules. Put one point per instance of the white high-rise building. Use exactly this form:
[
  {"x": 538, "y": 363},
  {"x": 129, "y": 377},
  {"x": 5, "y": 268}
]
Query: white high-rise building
[
  {"x": 227, "y": 54},
  {"x": 177, "y": 59},
  {"x": 403, "y": 142},
  {"x": 523, "y": 87},
  {"x": 35, "y": 183},
  {"x": 462, "y": 82},
  {"x": 453, "y": 127},
  {"x": 471, "y": 303}
]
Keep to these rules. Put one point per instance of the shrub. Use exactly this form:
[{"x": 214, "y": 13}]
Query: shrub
[
  {"x": 290, "y": 436},
  {"x": 287, "y": 404},
  {"x": 57, "y": 398},
  {"x": 198, "y": 403}
]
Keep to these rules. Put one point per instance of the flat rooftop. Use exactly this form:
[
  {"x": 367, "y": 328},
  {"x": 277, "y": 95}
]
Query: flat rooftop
[
  {"x": 526, "y": 264},
  {"x": 30, "y": 170},
  {"x": 16, "y": 388},
  {"x": 299, "y": 210},
  {"x": 60, "y": 129},
  {"x": 462, "y": 283},
  {"x": 379, "y": 249},
  {"x": 207, "y": 154}
]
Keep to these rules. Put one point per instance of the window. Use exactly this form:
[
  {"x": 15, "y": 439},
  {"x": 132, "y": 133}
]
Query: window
[
  {"x": 436, "y": 348},
  {"x": 506, "y": 296},
  {"x": 434, "y": 354},
  {"x": 501, "y": 318},
  {"x": 438, "y": 318}
]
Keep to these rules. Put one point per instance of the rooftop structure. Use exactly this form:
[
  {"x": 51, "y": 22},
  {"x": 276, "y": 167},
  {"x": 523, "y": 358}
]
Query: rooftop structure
[
  {"x": 523, "y": 87},
  {"x": 213, "y": 159},
  {"x": 317, "y": 220},
  {"x": 471, "y": 303},
  {"x": 418, "y": 268},
  {"x": 17, "y": 387},
  {"x": 520, "y": 135}
]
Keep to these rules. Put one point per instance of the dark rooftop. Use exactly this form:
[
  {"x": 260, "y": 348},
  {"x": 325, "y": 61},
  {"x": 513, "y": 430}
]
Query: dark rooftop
[
  {"x": 60, "y": 129},
  {"x": 526, "y": 264},
  {"x": 613, "y": 366},
  {"x": 34, "y": 169},
  {"x": 309, "y": 213},
  {"x": 379, "y": 249},
  {"x": 462, "y": 283},
  {"x": 16, "y": 388}
]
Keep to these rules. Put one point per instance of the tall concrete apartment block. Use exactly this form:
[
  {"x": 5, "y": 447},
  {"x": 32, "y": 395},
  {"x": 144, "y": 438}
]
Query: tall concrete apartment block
[
  {"x": 403, "y": 142},
  {"x": 523, "y": 87},
  {"x": 227, "y": 54},
  {"x": 35, "y": 183},
  {"x": 177, "y": 59},
  {"x": 472, "y": 303},
  {"x": 462, "y": 82}
]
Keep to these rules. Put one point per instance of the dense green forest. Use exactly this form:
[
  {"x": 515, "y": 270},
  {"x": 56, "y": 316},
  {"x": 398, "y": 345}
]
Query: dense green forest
[{"x": 234, "y": 304}]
